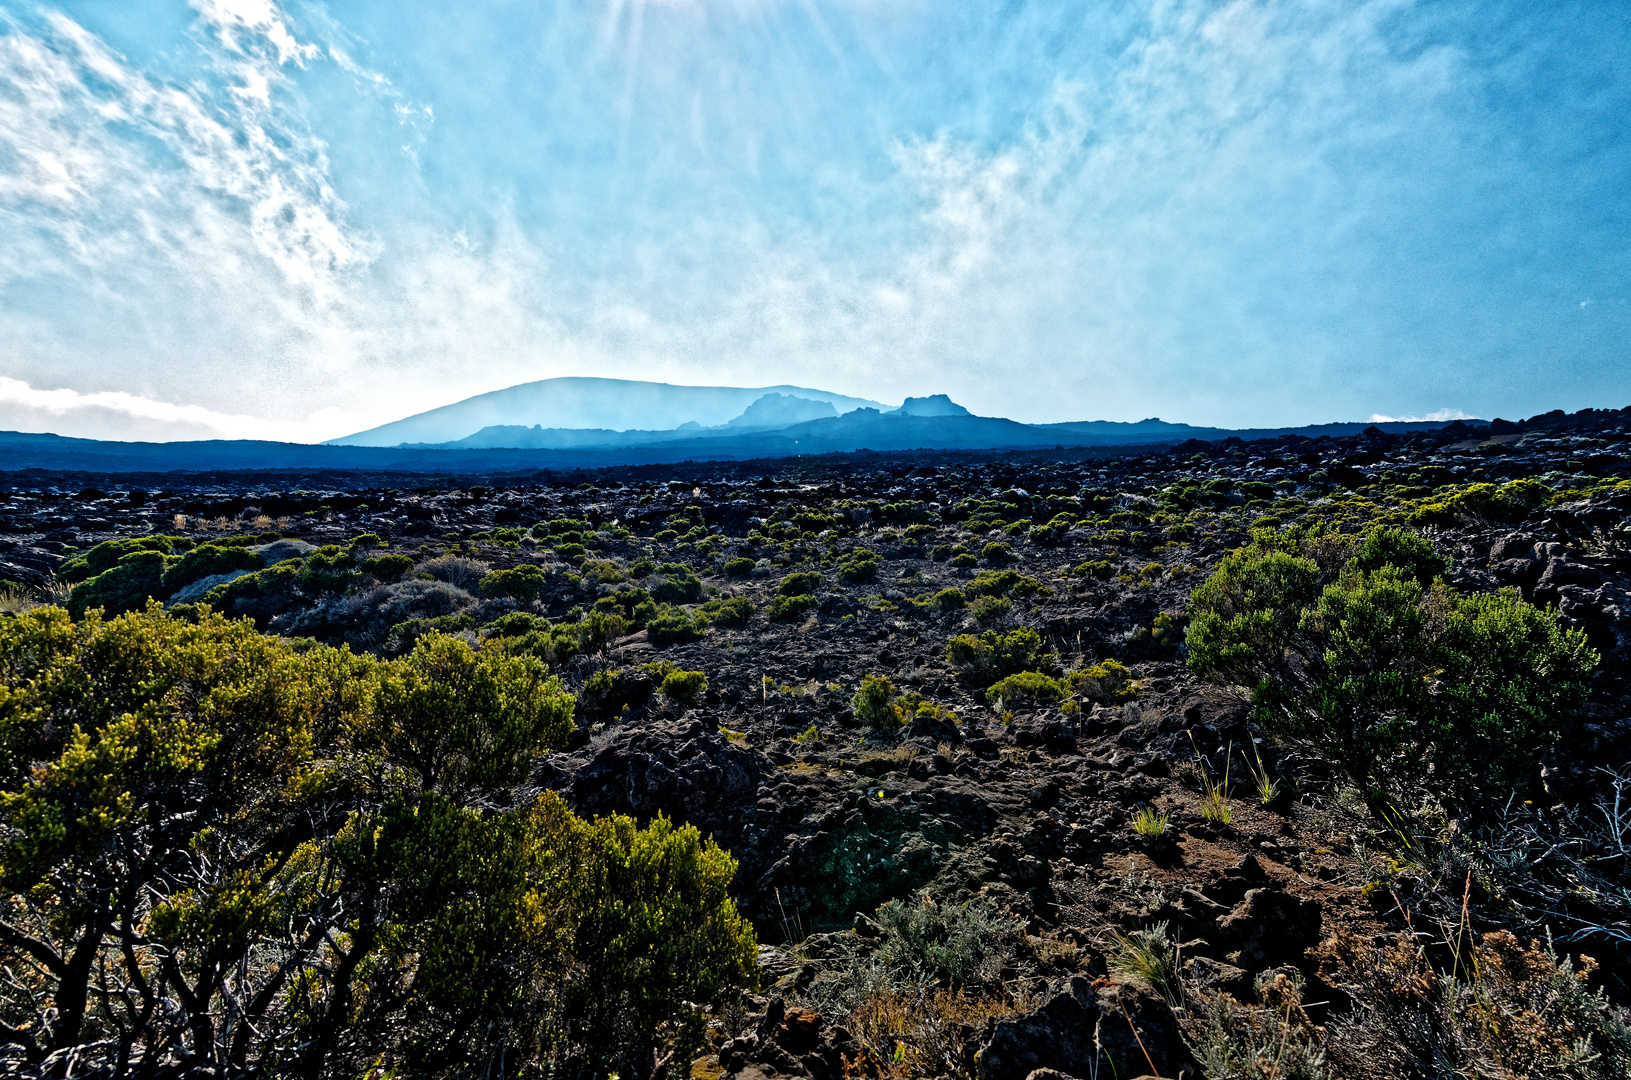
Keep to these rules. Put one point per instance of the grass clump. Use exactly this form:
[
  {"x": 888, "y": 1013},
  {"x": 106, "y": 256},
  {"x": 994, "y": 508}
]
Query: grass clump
[
  {"x": 1150, "y": 823},
  {"x": 1147, "y": 958}
]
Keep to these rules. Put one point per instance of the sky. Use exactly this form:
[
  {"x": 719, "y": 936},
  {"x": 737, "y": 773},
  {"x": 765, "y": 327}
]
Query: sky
[{"x": 296, "y": 220}]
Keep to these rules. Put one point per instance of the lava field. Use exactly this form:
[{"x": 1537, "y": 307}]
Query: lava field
[{"x": 987, "y": 818}]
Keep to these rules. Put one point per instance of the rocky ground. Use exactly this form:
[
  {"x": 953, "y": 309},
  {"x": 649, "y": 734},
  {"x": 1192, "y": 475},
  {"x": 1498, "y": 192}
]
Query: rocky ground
[{"x": 965, "y": 893}]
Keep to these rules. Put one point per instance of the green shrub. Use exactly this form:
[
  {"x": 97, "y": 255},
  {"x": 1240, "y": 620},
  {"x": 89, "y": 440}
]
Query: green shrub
[
  {"x": 1387, "y": 676},
  {"x": 739, "y": 567},
  {"x": 388, "y": 567},
  {"x": 104, "y": 556},
  {"x": 601, "y": 571},
  {"x": 858, "y": 566},
  {"x": 524, "y": 582},
  {"x": 790, "y": 608},
  {"x": 940, "y": 552},
  {"x": 872, "y": 703},
  {"x": 990, "y": 608},
  {"x": 401, "y": 636},
  {"x": 997, "y": 553},
  {"x": 684, "y": 688},
  {"x": 963, "y": 561},
  {"x": 950, "y": 600},
  {"x": 259, "y": 595},
  {"x": 672, "y": 626},
  {"x": 330, "y": 569},
  {"x": 1005, "y": 583},
  {"x": 801, "y": 584},
  {"x": 990, "y": 656},
  {"x": 1408, "y": 551},
  {"x": 1095, "y": 568},
  {"x": 1107, "y": 681},
  {"x": 526, "y": 934},
  {"x": 126, "y": 586},
  {"x": 733, "y": 611},
  {"x": 676, "y": 584},
  {"x": 573, "y": 552},
  {"x": 207, "y": 560},
  {"x": 878, "y": 705},
  {"x": 1027, "y": 688}
]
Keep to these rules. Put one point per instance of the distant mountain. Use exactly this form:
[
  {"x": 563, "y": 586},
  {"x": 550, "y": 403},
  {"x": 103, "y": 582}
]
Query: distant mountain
[
  {"x": 580, "y": 403},
  {"x": 933, "y": 405},
  {"x": 782, "y": 410},
  {"x": 943, "y": 425}
]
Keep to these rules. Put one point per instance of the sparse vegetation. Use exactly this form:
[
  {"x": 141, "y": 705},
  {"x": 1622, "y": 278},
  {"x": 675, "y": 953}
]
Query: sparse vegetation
[{"x": 962, "y": 785}]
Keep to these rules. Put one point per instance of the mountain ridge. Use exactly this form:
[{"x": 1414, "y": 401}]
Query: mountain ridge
[{"x": 613, "y": 404}]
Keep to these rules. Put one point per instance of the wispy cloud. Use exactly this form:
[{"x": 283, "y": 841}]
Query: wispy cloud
[
  {"x": 1436, "y": 416},
  {"x": 1254, "y": 211},
  {"x": 131, "y": 417}
]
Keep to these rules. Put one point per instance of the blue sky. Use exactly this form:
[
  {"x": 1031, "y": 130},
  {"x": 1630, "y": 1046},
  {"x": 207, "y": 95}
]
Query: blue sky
[{"x": 297, "y": 220}]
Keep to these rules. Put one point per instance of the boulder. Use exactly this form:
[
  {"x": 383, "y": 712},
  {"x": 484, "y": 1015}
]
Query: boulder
[{"x": 1269, "y": 927}]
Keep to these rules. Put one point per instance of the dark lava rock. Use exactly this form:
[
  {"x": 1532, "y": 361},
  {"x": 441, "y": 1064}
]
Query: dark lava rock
[
  {"x": 1084, "y": 1029},
  {"x": 1270, "y": 927},
  {"x": 685, "y": 769},
  {"x": 789, "y": 1042}
]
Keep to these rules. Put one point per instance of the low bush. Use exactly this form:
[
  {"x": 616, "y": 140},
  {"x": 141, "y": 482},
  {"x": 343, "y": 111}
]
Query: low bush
[
  {"x": 873, "y": 703},
  {"x": 1005, "y": 583},
  {"x": 990, "y": 609},
  {"x": 790, "y": 608},
  {"x": 570, "y": 552},
  {"x": 456, "y": 570},
  {"x": 525, "y": 582},
  {"x": 739, "y": 567},
  {"x": 800, "y": 584},
  {"x": 880, "y": 706},
  {"x": 388, "y": 567},
  {"x": 208, "y": 560},
  {"x": 104, "y": 556},
  {"x": 672, "y": 626},
  {"x": 991, "y": 656},
  {"x": 1391, "y": 678},
  {"x": 684, "y": 688},
  {"x": 996, "y": 553},
  {"x": 1505, "y": 1010},
  {"x": 730, "y": 611},
  {"x": 1026, "y": 688},
  {"x": 125, "y": 586},
  {"x": 525, "y": 932},
  {"x": 1108, "y": 681},
  {"x": 675, "y": 583},
  {"x": 858, "y": 566}
]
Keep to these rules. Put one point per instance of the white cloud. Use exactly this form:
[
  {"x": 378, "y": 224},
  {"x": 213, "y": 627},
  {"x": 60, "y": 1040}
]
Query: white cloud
[
  {"x": 1436, "y": 416},
  {"x": 131, "y": 417}
]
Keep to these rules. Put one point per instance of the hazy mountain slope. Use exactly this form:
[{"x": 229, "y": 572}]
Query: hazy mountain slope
[{"x": 613, "y": 404}]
